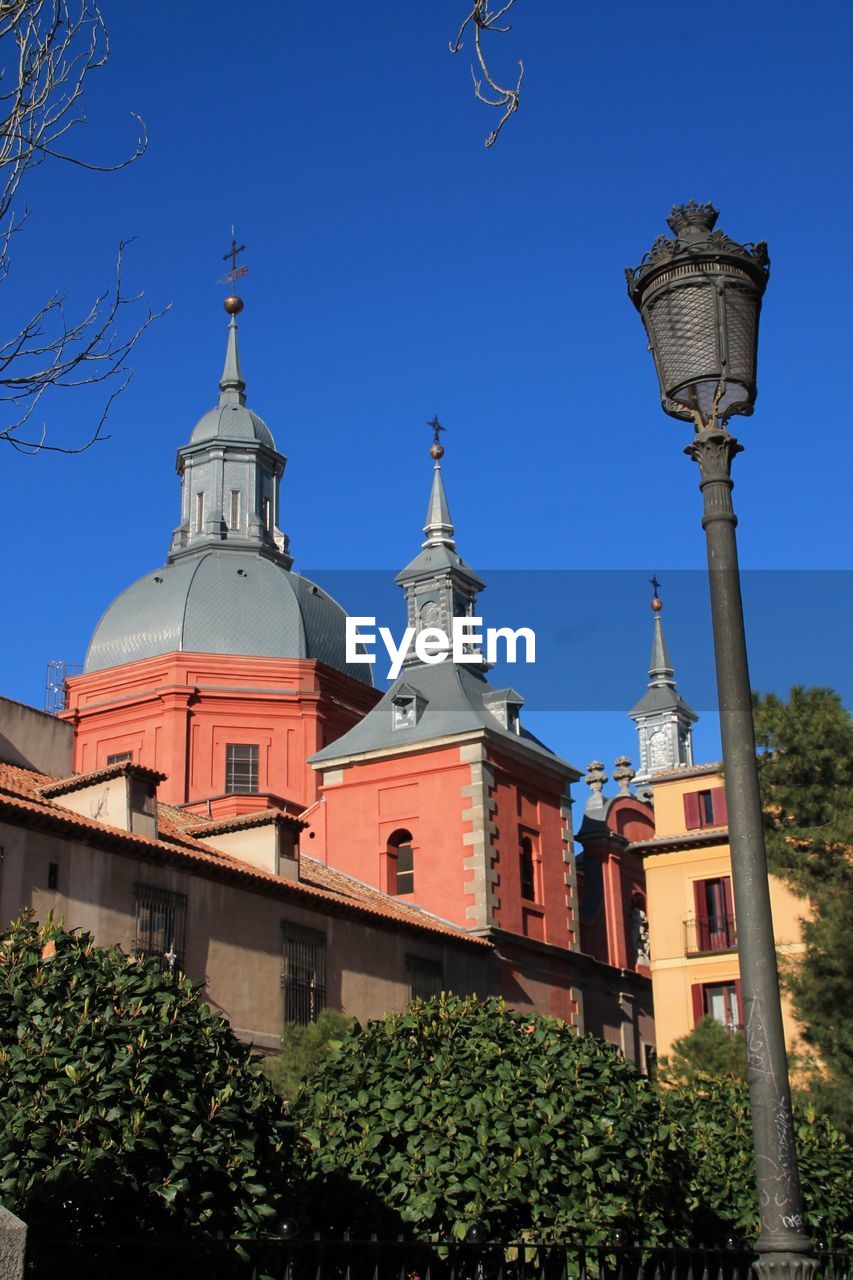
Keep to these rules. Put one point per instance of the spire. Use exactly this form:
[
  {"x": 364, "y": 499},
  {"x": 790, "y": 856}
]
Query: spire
[
  {"x": 232, "y": 386},
  {"x": 438, "y": 584},
  {"x": 661, "y": 669},
  {"x": 439, "y": 526},
  {"x": 664, "y": 720}
]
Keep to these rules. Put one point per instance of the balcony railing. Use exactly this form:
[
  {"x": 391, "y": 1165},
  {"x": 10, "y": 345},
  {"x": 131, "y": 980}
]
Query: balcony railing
[{"x": 704, "y": 936}]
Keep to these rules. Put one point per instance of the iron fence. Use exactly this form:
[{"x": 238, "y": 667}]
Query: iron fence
[{"x": 401, "y": 1259}]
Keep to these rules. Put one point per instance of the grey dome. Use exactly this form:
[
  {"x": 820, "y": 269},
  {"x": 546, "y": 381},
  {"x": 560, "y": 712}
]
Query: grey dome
[
  {"x": 230, "y": 602},
  {"x": 232, "y": 422}
]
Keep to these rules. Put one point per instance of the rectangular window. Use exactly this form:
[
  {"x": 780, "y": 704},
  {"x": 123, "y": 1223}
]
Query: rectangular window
[
  {"x": 713, "y": 925},
  {"x": 705, "y": 808},
  {"x": 53, "y": 875},
  {"x": 241, "y": 769},
  {"x": 120, "y": 757},
  {"x": 426, "y": 978},
  {"x": 234, "y": 514},
  {"x": 720, "y": 1001},
  {"x": 527, "y": 869},
  {"x": 303, "y": 973},
  {"x": 267, "y": 513},
  {"x": 199, "y": 513},
  {"x": 405, "y": 877},
  {"x": 161, "y": 922}
]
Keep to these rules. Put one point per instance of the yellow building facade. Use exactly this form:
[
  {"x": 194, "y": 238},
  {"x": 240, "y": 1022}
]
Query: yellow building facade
[{"x": 692, "y": 925}]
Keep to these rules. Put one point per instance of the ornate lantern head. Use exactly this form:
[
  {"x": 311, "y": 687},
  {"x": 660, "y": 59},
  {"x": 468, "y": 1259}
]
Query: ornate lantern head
[{"x": 700, "y": 297}]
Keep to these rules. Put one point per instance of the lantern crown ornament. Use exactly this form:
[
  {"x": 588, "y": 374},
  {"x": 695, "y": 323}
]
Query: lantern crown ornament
[{"x": 699, "y": 296}]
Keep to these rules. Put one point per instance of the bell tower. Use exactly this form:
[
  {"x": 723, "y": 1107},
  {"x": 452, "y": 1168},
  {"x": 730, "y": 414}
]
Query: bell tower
[
  {"x": 438, "y": 584},
  {"x": 664, "y": 720}
]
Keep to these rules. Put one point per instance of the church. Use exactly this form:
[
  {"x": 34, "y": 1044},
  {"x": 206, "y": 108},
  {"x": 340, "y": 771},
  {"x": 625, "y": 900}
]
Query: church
[{"x": 217, "y": 691}]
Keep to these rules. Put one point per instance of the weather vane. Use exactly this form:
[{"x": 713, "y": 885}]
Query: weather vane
[
  {"x": 655, "y": 584},
  {"x": 436, "y": 427},
  {"x": 236, "y": 273},
  {"x": 436, "y": 449}
]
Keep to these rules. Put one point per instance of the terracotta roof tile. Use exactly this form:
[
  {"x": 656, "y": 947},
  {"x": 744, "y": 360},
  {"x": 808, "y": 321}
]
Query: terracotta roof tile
[
  {"x": 60, "y": 786},
  {"x": 213, "y": 826},
  {"x": 318, "y": 884}
]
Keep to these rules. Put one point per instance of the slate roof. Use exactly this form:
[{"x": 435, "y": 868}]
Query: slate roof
[
  {"x": 318, "y": 887},
  {"x": 454, "y": 697},
  {"x": 228, "y": 601}
]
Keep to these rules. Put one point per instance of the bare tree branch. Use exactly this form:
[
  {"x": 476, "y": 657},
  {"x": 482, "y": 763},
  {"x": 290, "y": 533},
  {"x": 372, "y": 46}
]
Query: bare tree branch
[
  {"x": 483, "y": 20},
  {"x": 48, "y": 49}
]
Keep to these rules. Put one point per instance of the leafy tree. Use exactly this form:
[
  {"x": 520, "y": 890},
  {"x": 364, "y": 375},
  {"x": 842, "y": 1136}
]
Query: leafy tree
[
  {"x": 303, "y": 1048},
  {"x": 709, "y": 1050},
  {"x": 127, "y": 1105},
  {"x": 806, "y": 776},
  {"x": 714, "y": 1134},
  {"x": 460, "y": 1110}
]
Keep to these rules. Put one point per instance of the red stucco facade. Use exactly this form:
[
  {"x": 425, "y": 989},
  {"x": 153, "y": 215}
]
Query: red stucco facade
[{"x": 178, "y": 712}]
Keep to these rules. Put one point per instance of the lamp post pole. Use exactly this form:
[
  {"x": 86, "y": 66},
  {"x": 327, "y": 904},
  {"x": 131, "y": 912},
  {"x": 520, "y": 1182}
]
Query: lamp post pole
[{"x": 700, "y": 297}]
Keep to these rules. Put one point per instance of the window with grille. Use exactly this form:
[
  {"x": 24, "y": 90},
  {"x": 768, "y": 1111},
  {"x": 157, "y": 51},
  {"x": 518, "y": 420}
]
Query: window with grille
[
  {"x": 120, "y": 757},
  {"x": 241, "y": 769},
  {"x": 303, "y": 973},
  {"x": 161, "y": 923},
  {"x": 426, "y": 978}
]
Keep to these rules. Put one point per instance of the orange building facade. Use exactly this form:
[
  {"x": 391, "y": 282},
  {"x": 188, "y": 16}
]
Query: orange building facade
[
  {"x": 228, "y": 673},
  {"x": 695, "y": 965}
]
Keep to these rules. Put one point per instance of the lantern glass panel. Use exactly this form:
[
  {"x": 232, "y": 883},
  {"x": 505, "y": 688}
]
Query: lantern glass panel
[{"x": 700, "y": 298}]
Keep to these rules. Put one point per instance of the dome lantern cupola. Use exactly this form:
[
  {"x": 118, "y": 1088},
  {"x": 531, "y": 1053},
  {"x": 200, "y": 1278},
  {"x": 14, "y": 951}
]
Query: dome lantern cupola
[{"x": 230, "y": 472}]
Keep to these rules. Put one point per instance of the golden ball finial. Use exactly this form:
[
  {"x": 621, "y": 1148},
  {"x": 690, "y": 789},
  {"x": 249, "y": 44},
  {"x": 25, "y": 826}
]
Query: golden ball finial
[
  {"x": 233, "y": 305},
  {"x": 657, "y": 604},
  {"x": 436, "y": 451}
]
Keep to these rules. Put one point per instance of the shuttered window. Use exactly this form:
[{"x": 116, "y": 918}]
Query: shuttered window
[
  {"x": 721, "y": 1001},
  {"x": 714, "y": 919},
  {"x": 303, "y": 973},
  {"x": 705, "y": 808}
]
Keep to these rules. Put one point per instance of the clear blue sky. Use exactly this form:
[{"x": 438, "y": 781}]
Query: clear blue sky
[{"x": 398, "y": 269}]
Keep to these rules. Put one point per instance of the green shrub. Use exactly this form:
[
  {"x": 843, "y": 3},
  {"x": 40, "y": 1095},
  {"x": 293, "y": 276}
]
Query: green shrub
[
  {"x": 709, "y": 1050},
  {"x": 303, "y": 1048},
  {"x": 714, "y": 1134},
  {"x": 127, "y": 1105},
  {"x": 460, "y": 1110}
]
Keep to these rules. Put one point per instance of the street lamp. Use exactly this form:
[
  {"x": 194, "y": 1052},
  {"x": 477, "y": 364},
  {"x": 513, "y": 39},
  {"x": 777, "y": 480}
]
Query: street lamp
[{"x": 699, "y": 296}]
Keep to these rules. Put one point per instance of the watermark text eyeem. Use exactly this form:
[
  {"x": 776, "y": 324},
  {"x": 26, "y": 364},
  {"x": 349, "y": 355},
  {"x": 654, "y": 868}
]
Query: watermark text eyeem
[{"x": 469, "y": 642}]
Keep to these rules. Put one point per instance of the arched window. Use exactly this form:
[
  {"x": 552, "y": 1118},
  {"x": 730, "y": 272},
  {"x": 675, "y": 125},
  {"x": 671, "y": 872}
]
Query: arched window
[
  {"x": 528, "y": 869},
  {"x": 401, "y": 864}
]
